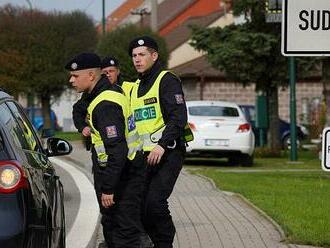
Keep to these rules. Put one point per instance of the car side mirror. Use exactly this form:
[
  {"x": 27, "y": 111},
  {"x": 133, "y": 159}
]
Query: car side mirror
[{"x": 58, "y": 147}]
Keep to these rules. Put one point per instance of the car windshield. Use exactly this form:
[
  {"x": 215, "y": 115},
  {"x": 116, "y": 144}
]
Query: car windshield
[{"x": 216, "y": 111}]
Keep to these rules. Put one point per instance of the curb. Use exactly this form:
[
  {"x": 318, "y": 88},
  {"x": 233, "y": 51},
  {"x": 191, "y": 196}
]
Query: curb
[{"x": 261, "y": 212}]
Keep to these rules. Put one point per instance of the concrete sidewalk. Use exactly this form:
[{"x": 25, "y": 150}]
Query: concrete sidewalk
[{"x": 206, "y": 217}]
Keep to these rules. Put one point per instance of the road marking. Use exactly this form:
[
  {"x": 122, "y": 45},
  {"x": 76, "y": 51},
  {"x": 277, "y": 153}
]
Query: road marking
[{"x": 86, "y": 220}]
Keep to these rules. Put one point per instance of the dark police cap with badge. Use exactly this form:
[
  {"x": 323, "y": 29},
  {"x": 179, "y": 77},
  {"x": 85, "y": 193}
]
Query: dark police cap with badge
[
  {"x": 142, "y": 41},
  {"x": 109, "y": 61},
  {"x": 83, "y": 61}
]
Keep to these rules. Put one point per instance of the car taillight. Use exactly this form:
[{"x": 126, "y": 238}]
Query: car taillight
[
  {"x": 244, "y": 128},
  {"x": 11, "y": 177},
  {"x": 192, "y": 126}
]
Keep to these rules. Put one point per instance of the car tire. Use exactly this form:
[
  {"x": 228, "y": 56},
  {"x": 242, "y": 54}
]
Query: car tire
[
  {"x": 286, "y": 142},
  {"x": 243, "y": 160},
  {"x": 246, "y": 160},
  {"x": 233, "y": 161}
]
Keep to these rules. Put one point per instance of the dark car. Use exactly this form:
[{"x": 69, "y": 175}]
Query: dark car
[
  {"x": 31, "y": 193},
  {"x": 284, "y": 127}
]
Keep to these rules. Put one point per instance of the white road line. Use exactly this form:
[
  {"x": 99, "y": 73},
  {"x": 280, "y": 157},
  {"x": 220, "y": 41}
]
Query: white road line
[{"x": 86, "y": 219}]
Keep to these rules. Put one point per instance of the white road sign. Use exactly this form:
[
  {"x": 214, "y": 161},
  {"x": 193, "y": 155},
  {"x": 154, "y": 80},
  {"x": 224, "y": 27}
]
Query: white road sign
[
  {"x": 326, "y": 149},
  {"x": 306, "y": 28}
]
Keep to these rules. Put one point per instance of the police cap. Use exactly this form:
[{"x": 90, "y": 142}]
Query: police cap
[
  {"x": 83, "y": 61},
  {"x": 142, "y": 41},
  {"x": 109, "y": 61}
]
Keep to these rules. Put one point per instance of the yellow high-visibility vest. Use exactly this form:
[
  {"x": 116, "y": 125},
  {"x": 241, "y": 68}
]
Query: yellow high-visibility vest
[
  {"x": 148, "y": 115},
  {"x": 127, "y": 87},
  {"x": 132, "y": 137}
]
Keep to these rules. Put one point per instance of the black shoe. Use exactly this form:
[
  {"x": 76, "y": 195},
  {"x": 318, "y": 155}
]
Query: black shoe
[{"x": 145, "y": 241}]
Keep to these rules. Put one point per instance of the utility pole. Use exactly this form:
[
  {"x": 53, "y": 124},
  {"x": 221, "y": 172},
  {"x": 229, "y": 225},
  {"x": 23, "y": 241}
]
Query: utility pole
[
  {"x": 103, "y": 17},
  {"x": 30, "y": 95},
  {"x": 29, "y": 3},
  {"x": 141, "y": 12},
  {"x": 154, "y": 15}
]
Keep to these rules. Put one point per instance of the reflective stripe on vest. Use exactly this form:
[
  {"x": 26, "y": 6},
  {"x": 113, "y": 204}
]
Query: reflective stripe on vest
[{"x": 132, "y": 138}]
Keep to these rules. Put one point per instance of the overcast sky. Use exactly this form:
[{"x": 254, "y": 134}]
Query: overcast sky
[{"x": 91, "y": 7}]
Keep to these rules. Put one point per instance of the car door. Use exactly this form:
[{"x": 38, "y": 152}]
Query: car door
[{"x": 43, "y": 175}]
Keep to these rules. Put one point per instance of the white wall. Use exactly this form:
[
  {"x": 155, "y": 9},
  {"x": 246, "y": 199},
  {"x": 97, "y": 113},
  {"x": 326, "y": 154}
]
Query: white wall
[
  {"x": 185, "y": 52},
  {"x": 63, "y": 109}
]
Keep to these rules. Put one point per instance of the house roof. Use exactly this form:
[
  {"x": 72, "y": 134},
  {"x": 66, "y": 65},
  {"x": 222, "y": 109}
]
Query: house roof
[
  {"x": 182, "y": 33},
  {"x": 197, "y": 67},
  {"x": 168, "y": 10},
  {"x": 120, "y": 13},
  {"x": 197, "y": 8}
]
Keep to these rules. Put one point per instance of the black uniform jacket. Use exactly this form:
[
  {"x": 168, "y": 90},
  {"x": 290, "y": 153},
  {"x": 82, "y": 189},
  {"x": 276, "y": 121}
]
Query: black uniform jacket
[
  {"x": 79, "y": 111},
  {"x": 172, "y": 103},
  {"x": 109, "y": 120}
]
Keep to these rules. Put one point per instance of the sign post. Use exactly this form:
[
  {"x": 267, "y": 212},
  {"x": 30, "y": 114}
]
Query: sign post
[
  {"x": 293, "y": 121},
  {"x": 305, "y": 32}
]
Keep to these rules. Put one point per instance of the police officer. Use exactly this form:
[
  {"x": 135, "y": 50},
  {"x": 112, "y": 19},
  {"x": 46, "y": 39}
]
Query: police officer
[
  {"x": 159, "y": 107},
  {"x": 116, "y": 151},
  {"x": 110, "y": 67}
]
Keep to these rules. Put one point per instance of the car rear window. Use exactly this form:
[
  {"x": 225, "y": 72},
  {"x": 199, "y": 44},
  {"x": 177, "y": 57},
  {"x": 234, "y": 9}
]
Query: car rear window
[{"x": 216, "y": 111}]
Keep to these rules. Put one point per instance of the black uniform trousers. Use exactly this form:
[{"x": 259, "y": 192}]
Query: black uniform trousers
[
  {"x": 121, "y": 222},
  {"x": 160, "y": 181}
]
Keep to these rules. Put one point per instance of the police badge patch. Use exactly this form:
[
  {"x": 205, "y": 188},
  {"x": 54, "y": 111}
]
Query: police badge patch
[
  {"x": 179, "y": 99},
  {"x": 131, "y": 123},
  {"x": 111, "y": 131}
]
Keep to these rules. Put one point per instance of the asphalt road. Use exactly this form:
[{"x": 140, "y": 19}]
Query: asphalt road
[
  {"x": 81, "y": 209},
  {"x": 71, "y": 197}
]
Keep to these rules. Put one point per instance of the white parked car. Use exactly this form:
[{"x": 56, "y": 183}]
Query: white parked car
[{"x": 220, "y": 129}]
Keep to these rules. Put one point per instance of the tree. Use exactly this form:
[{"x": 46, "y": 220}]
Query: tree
[
  {"x": 115, "y": 43},
  {"x": 248, "y": 53},
  {"x": 42, "y": 43}
]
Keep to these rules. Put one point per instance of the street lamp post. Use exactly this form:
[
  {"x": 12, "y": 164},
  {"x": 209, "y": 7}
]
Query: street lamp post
[{"x": 103, "y": 17}]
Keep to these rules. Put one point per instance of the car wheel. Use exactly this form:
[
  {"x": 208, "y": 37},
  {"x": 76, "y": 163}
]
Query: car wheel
[
  {"x": 287, "y": 142},
  {"x": 243, "y": 160},
  {"x": 233, "y": 161},
  {"x": 246, "y": 160}
]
